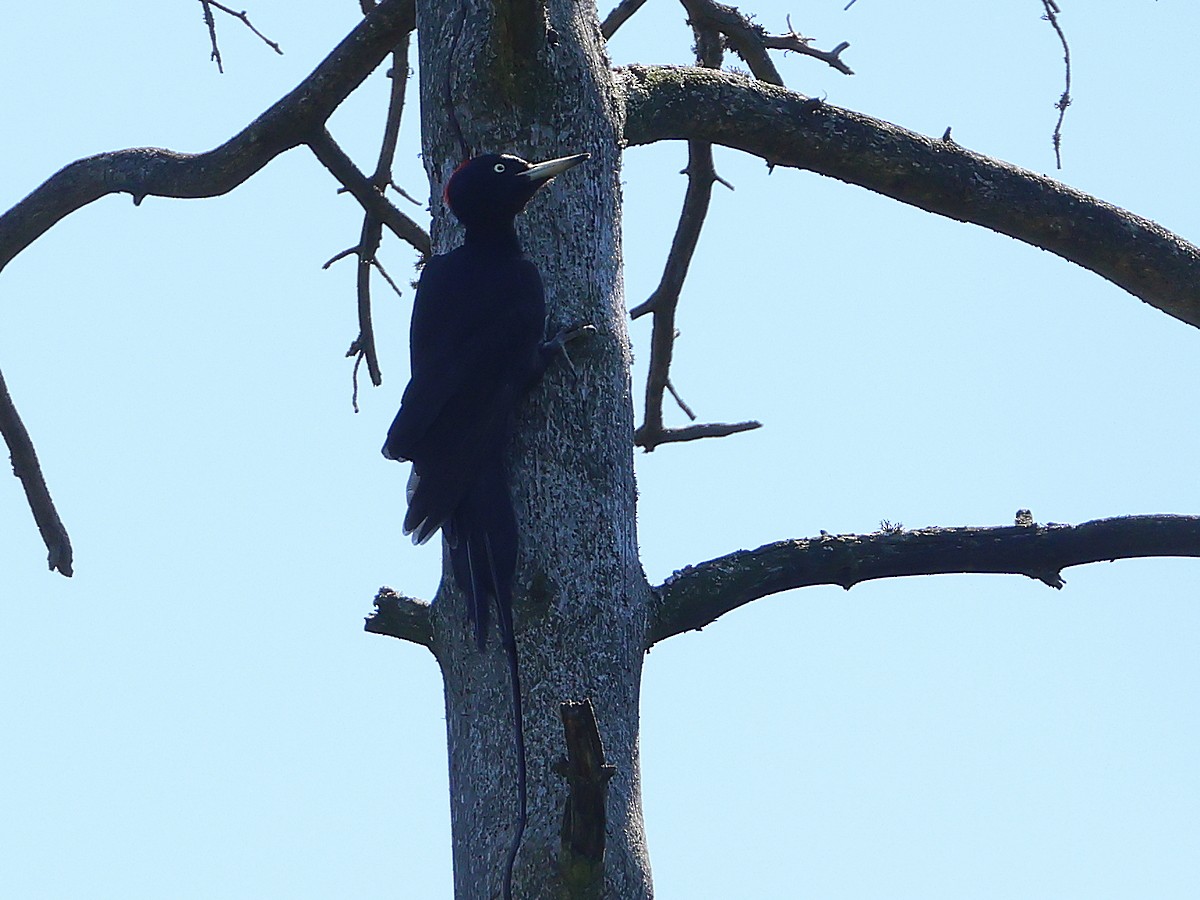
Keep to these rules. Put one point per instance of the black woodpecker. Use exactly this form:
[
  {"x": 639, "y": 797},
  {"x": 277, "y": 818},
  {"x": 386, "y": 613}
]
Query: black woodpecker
[{"x": 477, "y": 345}]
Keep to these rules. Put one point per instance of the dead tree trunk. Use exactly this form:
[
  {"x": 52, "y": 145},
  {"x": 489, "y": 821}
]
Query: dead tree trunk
[{"x": 520, "y": 77}]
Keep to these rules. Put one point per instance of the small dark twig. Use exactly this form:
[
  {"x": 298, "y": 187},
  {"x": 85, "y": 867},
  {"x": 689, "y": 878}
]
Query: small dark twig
[
  {"x": 751, "y": 41},
  {"x": 792, "y": 42},
  {"x": 1064, "y": 101},
  {"x": 620, "y": 14},
  {"x": 212, "y": 35},
  {"x": 370, "y": 193},
  {"x": 241, "y": 16},
  {"x": 687, "y": 410},
  {"x": 26, "y": 467}
]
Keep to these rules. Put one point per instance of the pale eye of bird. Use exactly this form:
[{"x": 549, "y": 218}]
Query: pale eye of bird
[{"x": 498, "y": 167}]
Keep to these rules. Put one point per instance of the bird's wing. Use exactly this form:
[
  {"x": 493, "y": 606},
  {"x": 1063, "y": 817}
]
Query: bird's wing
[{"x": 474, "y": 348}]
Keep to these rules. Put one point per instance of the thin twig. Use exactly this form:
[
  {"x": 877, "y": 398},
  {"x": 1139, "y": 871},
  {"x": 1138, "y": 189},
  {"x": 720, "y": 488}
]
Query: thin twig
[
  {"x": 1064, "y": 101},
  {"x": 242, "y": 17},
  {"x": 792, "y": 42},
  {"x": 664, "y": 302},
  {"x": 751, "y": 41},
  {"x": 371, "y": 235},
  {"x": 212, "y": 35},
  {"x": 687, "y": 410},
  {"x": 26, "y": 467}
]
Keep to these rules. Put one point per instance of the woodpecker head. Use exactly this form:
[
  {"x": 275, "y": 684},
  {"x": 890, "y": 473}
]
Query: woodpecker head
[{"x": 489, "y": 190}]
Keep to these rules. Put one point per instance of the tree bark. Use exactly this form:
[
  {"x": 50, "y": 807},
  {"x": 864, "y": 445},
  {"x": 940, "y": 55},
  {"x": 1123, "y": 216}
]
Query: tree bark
[
  {"x": 937, "y": 175},
  {"x": 582, "y": 600}
]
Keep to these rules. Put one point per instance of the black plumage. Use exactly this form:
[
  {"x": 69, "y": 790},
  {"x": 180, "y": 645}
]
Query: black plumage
[{"x": 477, "y": 346}]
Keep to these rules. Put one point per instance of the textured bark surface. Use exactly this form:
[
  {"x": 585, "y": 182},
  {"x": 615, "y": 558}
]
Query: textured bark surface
[
  {"x": 581, "y": 603},
  {"x": 937, "y": 175}
]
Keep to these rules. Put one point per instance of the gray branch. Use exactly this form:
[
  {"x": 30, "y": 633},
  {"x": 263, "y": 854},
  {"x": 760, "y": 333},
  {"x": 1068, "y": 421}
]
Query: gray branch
[
  {"x": 151, "y": 171},
  {"x": 27, "y": 469},
  {"x": 789, "y": 129},
  {"x": 698, "y": 595},
  {"x": 398, "y": 616}
]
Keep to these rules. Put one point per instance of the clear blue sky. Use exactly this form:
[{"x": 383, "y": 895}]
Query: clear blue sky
[{"x": 197, "y": 713}]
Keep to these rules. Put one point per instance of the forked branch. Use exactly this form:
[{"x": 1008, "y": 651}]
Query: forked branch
[
  {"x": 145, "y": 172},
  {"x": 148, "y": 171},
  {"x": 243, "y": 17},
  {"x": 664, "y": 302},
  {"x": 698, "y": 595}
]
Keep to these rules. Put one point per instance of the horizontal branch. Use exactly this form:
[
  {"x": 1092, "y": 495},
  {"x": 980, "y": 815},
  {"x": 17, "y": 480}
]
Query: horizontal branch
[
  {"x": 788, "y": 129},
  {"x": 149, "y": 171},
  {"x": 648, "y": 438},
  {"x": 698, "y": 595},
  {"x": 398, "y": 616}
]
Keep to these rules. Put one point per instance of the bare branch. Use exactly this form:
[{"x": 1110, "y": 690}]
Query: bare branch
[
  {"x": 245, "y": 20},
  {"x": 156, "y": 172},
  {"x": 334, "y": 158},
  {"x": 379, "y": 212},
  {"x": 751, "y": 41},
  {"x": 398, "y": 616},
  {"x": 215, "y": 56},
  {"x": 26, "y": 467},
  {"x": 648, "y": 438},
  {"x": 698, "y": 595},
  {"x": 797, "y": 43},
  {"x": 147, "y": 172},
  {"x": 1064, "y": 101},
  {"x": 743, "y": 36},
  {"x": 621, "y": 12},
  {"x": 789, "y": 129},
  {"x": 665, "y": 299}
]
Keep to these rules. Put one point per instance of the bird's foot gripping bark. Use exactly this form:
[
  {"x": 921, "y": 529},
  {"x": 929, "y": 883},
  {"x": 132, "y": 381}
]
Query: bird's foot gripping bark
[{"x": 557, "y": 345}]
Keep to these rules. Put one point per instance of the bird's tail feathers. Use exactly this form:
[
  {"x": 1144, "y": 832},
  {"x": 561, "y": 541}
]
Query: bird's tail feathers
[{"x": 482, "y": 538}]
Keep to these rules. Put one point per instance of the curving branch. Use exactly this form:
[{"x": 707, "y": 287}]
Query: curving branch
[
  {"x": 398, "y": 616},
  {"x": 147, "y": 171},
  {"x": 698, "y": 595},
  {"x": 788, "y": 129}
]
